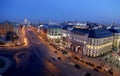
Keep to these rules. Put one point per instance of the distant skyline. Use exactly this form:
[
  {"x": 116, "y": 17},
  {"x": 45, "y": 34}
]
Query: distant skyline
[{"x": 100, "y": 11}]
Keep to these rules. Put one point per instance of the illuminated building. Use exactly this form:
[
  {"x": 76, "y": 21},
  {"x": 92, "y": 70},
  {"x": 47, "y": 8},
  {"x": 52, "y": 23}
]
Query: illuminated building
[
  {"x": 78, "y": 40},
  {"x": 100, "y": 42},
  {"x": 42, "y": 29},
  {"x": 65, "y": 33},
  {"x": 116, "y": 36},
  {"x": 27, "y": 22},
  {"x": 54, "y": 33},
  {"x": 91, "y": 42},
  {"x": 6, "y": 26}
]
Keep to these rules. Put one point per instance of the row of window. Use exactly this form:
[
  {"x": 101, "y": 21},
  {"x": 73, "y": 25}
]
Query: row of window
[
  {"x": 98, "y": 52},
  {"x": 97, "y": 42},
  {"x": 55, "y": 34}
]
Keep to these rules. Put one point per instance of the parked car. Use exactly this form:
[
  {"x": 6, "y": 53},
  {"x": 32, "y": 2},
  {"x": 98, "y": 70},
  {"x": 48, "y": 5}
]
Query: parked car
[
  {"x": 99, "y": 67},
  {"x": 59, "y": 58},
  {"x": 95, "y": 69},
  {"x": 89, "y": 63},
  {"x": 76, "y": 58},
  {"x": 64, "y": 52},
  {"x": 70, "y": 57},
  {"x": 87, "y": 74},
  {"x": 54, "y": 59},
  {"x": 56, "y": 52},
  {"x": 82, "y": 61},
  {"x": 110, "y": 71},
  {"x": 77, "y": 66},
  {"x": 106, "y": 69}
]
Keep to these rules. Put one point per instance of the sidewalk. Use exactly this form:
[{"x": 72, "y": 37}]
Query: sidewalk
[{"x": 98, "y": 61}]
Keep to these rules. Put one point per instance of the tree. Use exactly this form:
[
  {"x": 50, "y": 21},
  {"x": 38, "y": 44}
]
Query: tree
[{"x": 11, "y": 36}]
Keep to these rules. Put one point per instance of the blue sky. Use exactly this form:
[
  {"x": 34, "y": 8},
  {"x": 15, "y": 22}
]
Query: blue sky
[{"x": 101, "y": 11}]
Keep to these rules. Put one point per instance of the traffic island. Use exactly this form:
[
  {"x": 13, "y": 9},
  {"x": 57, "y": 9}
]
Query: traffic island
[{"x": 5, "y": 63}]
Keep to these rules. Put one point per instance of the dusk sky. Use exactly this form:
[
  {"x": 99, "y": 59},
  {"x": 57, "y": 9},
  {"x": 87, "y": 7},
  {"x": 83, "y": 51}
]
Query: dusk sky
[{"x": 101, "y": 11}]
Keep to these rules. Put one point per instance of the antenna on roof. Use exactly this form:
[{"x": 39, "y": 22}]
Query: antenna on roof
[{"x": 112, "y": 24}]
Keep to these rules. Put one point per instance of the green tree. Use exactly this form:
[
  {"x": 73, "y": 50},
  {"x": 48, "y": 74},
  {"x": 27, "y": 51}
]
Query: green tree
[{"x": 11, "y": 36}]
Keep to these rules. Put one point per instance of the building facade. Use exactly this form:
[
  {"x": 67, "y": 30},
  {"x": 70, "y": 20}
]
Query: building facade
[
  {"x": 78, "y": 40},
  {"x": 65, "y": 33},
  {"x": 42, "y": 30},
  {"x": 5, "y": 27},
  {"x": 116, "y": 36},
  {"x": 54, "y": 33},
  {"x": 91, "y": 42},
  {"x": 100, "y": 42}
]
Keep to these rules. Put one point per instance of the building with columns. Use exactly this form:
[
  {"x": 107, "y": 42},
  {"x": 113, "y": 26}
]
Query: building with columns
[
  {"x": 78, "y": 40},
  {"x": 91, "y": 42},
  {"x": 100, "y": 42}
]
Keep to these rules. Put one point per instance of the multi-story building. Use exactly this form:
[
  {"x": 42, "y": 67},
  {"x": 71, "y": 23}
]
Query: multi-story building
[
  {"x": 100, "y": 41},
  {"x": 54, "y": 33},
  {"x": 65, "y": 32},
  {"x": 42, "y": 29},
  {"x": 116, "y": 36},
  {"x": 6, "y": 26},
  {"x": 91, "y": 42},
  {"x": 78, "y": 40}
]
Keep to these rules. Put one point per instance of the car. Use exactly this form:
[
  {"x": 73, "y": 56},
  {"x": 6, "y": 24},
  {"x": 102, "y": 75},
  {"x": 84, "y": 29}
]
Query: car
[
  {"x": 70, "y": 57},
  {"x": 90, "y": 64},
  {"x": 19, "y": 44},
  {"x": 82, "y": 61},
  {"x": 77, "y": 66},
  {"x": 110, "y": 71},
  {"x": 95, "y": 69},
  {"x": 64, "y": 52},
  {"x": 54, "y": 59},
  {"x": 76, "y": 58},
  {"x": 56, "y": 52},
  {"x": 71, "y": 63},
  {"x": 12, "y": 45},
  {"x": 99, "y": 67},
  {"x": 59, "y": 58},
  {"x": 58, "y": 48},
  {"x": 106, "y": 69},
  {"x": 87, "y": 74}
]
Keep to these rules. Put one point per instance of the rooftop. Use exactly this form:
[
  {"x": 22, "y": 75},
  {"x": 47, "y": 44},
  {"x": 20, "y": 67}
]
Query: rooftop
[
  {"x": 99, "y": 33},
  {"x": 65, "y": 27},
  {"x": 94, "y": 33},
  {"x": 54, "y": 26},
  {"x": 80, "y": 31},
  {"x": 114, "y": 30}
]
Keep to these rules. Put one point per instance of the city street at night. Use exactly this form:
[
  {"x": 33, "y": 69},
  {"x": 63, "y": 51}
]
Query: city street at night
[{"x": 59, "y": 38}]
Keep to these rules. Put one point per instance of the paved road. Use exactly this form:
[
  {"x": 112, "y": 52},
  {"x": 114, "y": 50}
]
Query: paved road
[
  {"x": 36, "y": 60},
  {"x": 28, "y": 62},
  {"x": 66, "y": 69}
]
